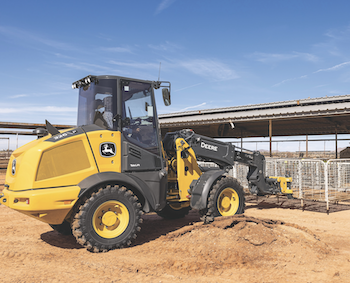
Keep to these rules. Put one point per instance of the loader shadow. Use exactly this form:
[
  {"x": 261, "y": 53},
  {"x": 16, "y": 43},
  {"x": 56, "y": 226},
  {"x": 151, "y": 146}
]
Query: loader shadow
[
  {"x": 285, "y": 203},
  {"x": 56, "y": 239},
  {"x": 153, "y": 227}
]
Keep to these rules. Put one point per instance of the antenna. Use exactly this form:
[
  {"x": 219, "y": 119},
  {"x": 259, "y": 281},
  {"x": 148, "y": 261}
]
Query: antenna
[{"x": 160, "y": 63}]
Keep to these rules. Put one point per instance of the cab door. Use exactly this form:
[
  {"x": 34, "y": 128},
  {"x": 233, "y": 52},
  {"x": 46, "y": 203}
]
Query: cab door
[{"x": 141, "y": 139}]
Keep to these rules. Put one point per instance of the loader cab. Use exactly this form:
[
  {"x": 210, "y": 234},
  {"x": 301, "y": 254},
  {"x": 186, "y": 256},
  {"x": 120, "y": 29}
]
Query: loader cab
[{"x": 126, "y": 106}]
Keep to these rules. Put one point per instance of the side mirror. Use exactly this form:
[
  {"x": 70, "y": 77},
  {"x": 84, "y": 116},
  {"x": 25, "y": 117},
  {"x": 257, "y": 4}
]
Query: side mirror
[{"x": 166, "y": 96}]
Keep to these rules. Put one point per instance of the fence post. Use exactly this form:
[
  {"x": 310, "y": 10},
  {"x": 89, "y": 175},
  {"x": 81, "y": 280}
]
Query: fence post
[
  {"x": 300, "y": 184},
  {"x": 234, "y": 171},
  {"x": 339, "y": 175},
  {"x": 326, "y": 185}
]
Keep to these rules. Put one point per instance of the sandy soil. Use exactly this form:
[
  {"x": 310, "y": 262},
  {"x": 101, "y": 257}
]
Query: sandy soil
[{"x": 273, "y": 242}]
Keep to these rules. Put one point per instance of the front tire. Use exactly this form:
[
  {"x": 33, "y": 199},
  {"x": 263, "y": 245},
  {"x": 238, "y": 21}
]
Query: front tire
[
  {"x": 226, "y": 198},
  {"x": 109, "y": 219}
]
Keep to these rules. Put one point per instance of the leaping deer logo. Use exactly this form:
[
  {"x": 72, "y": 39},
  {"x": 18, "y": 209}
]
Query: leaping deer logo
[{"x": 107, "y": 149}]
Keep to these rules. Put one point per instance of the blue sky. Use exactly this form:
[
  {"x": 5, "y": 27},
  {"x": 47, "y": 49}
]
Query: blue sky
[{"x": 215, "y": 53}]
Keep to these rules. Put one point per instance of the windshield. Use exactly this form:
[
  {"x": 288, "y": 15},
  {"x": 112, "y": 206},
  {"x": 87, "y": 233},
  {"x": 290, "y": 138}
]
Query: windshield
[{"x": 98, "y": 104}]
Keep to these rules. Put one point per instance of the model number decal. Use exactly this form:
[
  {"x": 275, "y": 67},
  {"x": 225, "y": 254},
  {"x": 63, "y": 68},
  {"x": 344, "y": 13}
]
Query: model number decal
[{"x": 64, "y": 135}]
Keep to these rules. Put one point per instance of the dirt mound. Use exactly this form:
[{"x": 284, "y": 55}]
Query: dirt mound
[{"x": 239, "y": 241}]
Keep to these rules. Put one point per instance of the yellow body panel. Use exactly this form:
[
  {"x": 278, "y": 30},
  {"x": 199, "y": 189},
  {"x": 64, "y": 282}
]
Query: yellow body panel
[
  {"x": 111, "y": 163},
  {"x": 187, "y": 168},
  {"x": 283, "y": 181},
  {"x": 44, "y": 185},
  {"x": 47, "y": 205},
  {"x": 55, "y": 170}
]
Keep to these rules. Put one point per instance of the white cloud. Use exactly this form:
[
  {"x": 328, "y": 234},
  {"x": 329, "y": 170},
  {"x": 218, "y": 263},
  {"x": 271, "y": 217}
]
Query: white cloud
[
  {"x": 211, "y": 69},
  {"x": 167, "y": 46},
  {"x": 163, "y": 5},
  {"x": 338, "y": 34},
  {"x": 193, "y": 107},
  {"x": 117, "y": 49},
  {"x": 278, "y": 57},
  {"x": 136, "y": 65},
  {"x": 288, "y": 80},
  {"x": 27, "y": 36},
  {"x": 187, "y": 87},
  {"x": 87, "y": 67},
  {"x": 334, "y": 68},
  {"x": 19, "y": 96},
  {"x": 337, "y": 42},
  {"x": 38, "y": 109}
]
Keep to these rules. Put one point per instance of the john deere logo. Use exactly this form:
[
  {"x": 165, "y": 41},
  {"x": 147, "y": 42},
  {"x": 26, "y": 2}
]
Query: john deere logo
[{"x": 107, "y": 149}]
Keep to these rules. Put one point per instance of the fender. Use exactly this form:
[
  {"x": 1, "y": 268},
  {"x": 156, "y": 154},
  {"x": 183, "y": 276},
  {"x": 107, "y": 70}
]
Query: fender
[
  {"x": 201, "y": 188},
  {"x": 139, "y": 187}
]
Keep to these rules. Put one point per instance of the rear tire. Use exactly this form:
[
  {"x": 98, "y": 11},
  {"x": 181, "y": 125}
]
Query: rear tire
[
  {"x": 109, "y": 219},
  {"x": 174, "y": 211},
  {"x": 226, "y": 198}
]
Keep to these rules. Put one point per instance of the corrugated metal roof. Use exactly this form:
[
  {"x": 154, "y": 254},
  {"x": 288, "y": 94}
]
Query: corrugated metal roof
[
  {"x": 311, "y": 116},
  {"x": 285, "y": 109}
]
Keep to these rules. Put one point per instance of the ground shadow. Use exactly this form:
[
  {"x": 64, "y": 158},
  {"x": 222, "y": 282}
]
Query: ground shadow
[
  {"x": 153, "y": 227},
  {"x": 268, "y": 202},
  {"x": 56, "y": 239}
]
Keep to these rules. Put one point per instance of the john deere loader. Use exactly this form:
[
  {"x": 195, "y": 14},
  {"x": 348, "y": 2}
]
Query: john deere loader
[{"x": 97, "y": 179}]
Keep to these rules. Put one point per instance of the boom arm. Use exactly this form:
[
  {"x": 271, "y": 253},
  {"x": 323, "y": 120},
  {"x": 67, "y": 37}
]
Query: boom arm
[{"x": 225, "y": 154}]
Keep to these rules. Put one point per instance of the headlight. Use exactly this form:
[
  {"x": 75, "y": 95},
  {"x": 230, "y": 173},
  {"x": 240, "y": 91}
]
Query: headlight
[{"x": 13, "y": 167}]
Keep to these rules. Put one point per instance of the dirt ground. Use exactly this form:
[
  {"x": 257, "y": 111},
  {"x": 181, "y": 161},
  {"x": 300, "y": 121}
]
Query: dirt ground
[{"x": 275, "y": 241}]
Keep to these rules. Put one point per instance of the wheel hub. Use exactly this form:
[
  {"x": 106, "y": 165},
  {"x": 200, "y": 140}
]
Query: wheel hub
[
  {"x": 109, "y": 218},
  {"x": 226, "y": 202}
]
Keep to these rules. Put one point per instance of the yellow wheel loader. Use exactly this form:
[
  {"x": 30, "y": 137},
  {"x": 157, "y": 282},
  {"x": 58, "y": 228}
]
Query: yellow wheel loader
[{"x": 97, "y": 179}]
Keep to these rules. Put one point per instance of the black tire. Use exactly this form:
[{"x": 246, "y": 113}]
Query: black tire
[
  {"x": 109, "y": 219},
  {"x": 64, "y": 228},
  {"x": 226, "y": 198},
  {"x": 174, "y": 211}
]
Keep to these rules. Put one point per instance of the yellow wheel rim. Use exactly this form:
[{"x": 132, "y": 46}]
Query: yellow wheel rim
[
  {"x": 110, "y": 219},
  {"x": 228, "y": 202}
]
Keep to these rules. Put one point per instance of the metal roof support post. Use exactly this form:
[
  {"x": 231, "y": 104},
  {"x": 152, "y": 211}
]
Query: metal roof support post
[
  {"x": 336, "y": 142},
  {"x": 307, "y": 146},
  {"x": 300, "y": 184},
  {"x": 270, "y": 135},
  {"x": 241, "y": 138},
  {"x": 326, "y": 184}
]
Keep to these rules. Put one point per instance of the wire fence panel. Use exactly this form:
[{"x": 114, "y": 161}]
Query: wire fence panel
[
  {"x": 313, "y": 179},
  {"x": 338, "y": 179}
]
